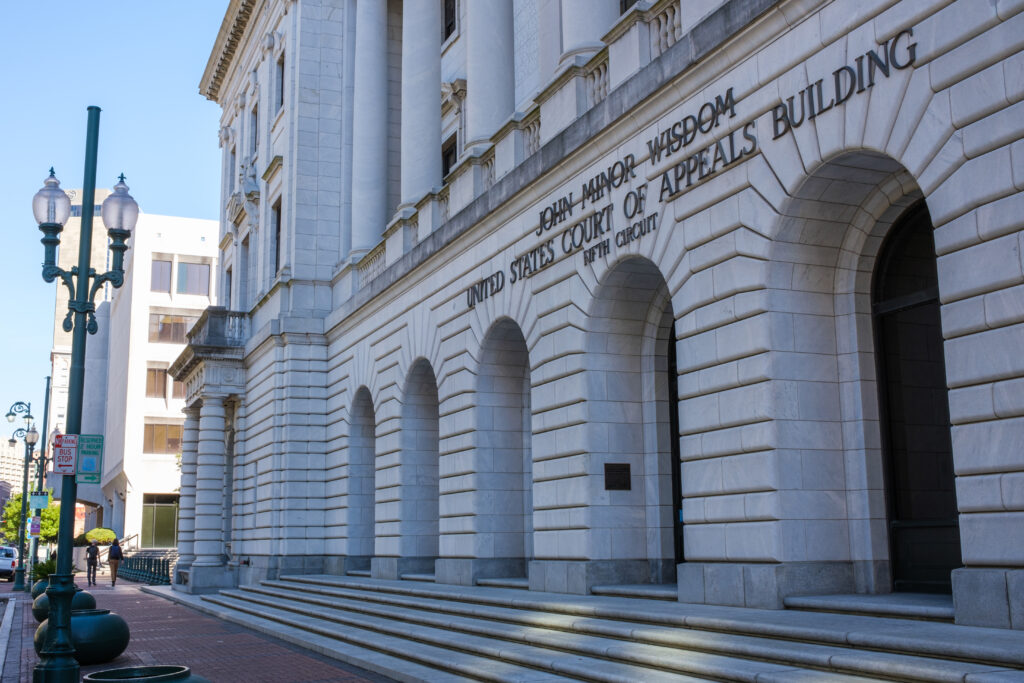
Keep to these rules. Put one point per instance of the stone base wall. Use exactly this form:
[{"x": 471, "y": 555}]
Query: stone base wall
[
  {"x": 763, "y": 586},
  {"x": 466, "y": 571},
  {"x": 991, "y": 597}
]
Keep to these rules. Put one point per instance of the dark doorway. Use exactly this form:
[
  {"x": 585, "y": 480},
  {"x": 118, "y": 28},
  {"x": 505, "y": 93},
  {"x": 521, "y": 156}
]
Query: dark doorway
[
  {"x": 673, "y": 420},
  {"x": 924, "y": 535}
]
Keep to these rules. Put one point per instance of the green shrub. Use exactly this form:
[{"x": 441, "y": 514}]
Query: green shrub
[
  {"x": 79, "y": 541},
  {"x": 101, "y": 535},
  {"x": 43, "y": 569}
]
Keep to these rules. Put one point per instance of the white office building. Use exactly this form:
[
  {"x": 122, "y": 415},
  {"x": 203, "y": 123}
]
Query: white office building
[{"x": 723, "y": 296}]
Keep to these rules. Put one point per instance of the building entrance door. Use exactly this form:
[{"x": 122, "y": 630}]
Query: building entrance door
[
  {"x": 924, "y": 535},
  {"x": 673, "y": 419}
]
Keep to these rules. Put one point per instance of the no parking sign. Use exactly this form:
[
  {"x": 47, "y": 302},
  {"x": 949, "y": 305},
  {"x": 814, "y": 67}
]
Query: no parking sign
[{"x": 65, "y": 453}]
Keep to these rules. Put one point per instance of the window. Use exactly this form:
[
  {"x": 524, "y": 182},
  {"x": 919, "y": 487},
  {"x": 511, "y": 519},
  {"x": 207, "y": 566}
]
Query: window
[
  {"x": 275, "y": 216},
  {"x": 160, "y": 281},
  {"x": 227, "y": 288},
  {"x": 169, "y": 329},
  {"x": 194, "y": 278},
  {"x": 159, "y": 520},
  {"x": 231, "y": 171},
  {"x": 156, "y": 383},
  {"x": 76, "y": 210},
  {"x": 449, "y": 155},
  {"x": 162, "y": 439},
  {"x": 279, "y": 82},
  {"x": 449, "y": 18},
  {"x": 177, "y": 389},
  {"x": 625, "y": 5},
  {"x": 254, "y": 126}
]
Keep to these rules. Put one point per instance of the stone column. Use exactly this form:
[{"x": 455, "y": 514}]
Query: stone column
[
  {"x": 588, "y": 21},
  {"x": 490, "y": 69},
  {"x": 187, "y": 498},
  {"x": 209, "y": 487},
  {"x": 421, "y": 100},
  {"x": 549, "y": 39},
  {"x": 370, "y": 126}
]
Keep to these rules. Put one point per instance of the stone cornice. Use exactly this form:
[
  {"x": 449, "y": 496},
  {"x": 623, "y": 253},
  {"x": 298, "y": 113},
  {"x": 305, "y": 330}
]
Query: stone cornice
[{"x": 236, "y": 20}]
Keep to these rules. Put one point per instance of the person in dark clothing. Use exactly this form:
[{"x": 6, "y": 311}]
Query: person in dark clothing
[
  {"x": 92, "y": 557},
  {"x": 114, "y": 559}
]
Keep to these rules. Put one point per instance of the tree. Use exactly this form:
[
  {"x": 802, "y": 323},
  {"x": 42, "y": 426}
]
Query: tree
[{"x": 49, "y": 522}]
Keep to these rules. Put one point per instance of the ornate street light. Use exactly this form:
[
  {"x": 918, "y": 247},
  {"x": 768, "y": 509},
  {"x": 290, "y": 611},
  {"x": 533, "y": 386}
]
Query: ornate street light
[
  {"x": 31, "y": 436},
  {"x": 52, "y": 208}
]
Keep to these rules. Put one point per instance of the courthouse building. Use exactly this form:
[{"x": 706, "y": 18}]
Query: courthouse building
[{"x": 725, "y": 295}]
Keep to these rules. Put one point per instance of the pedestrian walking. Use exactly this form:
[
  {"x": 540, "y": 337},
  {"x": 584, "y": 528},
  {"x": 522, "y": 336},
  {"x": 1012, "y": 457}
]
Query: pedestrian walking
[
  {"x": 114, "y": 559},
  {"x": 92, "y": 558}
]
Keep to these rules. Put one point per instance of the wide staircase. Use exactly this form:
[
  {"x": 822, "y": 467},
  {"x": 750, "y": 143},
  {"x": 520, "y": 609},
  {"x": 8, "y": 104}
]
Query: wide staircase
[{"x": 419, "y": 631}]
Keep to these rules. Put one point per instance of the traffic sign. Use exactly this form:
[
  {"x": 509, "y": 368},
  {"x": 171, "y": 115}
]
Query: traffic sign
[
  {"x": 90, "y": 459},
  {"x": 65, "y": 453},
  {"x": 36, "y": 523},
  {"x": 38, "y": 500}
]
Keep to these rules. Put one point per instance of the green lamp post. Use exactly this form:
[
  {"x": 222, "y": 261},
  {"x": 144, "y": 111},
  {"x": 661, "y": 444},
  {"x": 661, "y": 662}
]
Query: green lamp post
[
  {"x": 52, "y": 208},
  {"x": 31, "y": 436}
]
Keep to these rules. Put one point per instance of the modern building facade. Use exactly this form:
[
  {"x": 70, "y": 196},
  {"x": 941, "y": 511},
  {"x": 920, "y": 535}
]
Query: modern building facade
[
  {"x": 724, "y": 295},
  {"x": 130, "y": 399}
]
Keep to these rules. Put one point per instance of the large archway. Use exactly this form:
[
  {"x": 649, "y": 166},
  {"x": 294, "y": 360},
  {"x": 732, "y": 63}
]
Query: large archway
[
  {"x": 924, "y": 538},
  {"x": 358, "y": 481},
  {"x": 633, "y": 404},
  {"x": 418, "y": 472},
  {"x": 504, "y": 523},
  {"x": 848, "y": 262}
]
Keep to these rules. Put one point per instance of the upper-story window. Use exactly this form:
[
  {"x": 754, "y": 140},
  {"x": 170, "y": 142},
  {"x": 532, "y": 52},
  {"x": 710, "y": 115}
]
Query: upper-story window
[
  {"x": 193, "y": 278},
  {"x": 449, "y": 155},
  {"x": 279, "y": 82},
  {"x": 450, "y": 18},
  {"x": 156, "y": 383},
  {"x": 254, "y": 129},
  {"x": 227, "y": 288},
  {"x": 161, "y": 278},
  {"x": 231, "y": 170},
  {"x": 275, "y": 217},
  {"x": 625, "y": 5},
  {"x": 165, "y": 328},
  {"x": 76, "y": 210},
  {"x": 161, "y": 438}
]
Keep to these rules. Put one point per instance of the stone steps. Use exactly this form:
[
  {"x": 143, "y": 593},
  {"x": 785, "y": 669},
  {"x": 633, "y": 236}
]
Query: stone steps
[
  {"x": 919, "y": 606},
  {"x": 526, "y": 634}
]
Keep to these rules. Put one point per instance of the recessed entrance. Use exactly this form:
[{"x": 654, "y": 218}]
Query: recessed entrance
[{"x": 924, "y": 533}]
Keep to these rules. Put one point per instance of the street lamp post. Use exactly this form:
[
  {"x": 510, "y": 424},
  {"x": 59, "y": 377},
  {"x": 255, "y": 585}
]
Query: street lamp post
[
  {"x": 31, "y": 437},
  {"x": 52, "y": 208},
  {"x": 44, "y": 448}
]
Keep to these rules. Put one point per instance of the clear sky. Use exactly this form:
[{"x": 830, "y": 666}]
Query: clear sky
[{"x": 141, "y": 63}]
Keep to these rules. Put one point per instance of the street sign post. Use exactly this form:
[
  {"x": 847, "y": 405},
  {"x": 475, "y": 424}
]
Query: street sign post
[
  {"x": 65, "y": 453},
  {"x": 90, "y": 459}
]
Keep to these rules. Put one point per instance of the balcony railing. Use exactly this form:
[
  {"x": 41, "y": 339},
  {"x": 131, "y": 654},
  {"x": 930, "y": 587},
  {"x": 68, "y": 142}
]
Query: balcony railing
[{"x": 218, "y": 326}]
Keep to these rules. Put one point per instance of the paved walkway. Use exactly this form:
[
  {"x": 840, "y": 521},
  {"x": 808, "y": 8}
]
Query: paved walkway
[{"x": 167, "y": 633}]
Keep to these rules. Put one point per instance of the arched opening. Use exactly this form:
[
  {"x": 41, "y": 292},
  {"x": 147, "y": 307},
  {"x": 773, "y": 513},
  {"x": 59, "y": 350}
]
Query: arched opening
[
  {"x": 634, "y": 391},
  {"x": 418, "y": 470},
  {"x": 924, "y": 537},
  {"x": 358, "y": 478},
  {"x": 504, "y": 521}
]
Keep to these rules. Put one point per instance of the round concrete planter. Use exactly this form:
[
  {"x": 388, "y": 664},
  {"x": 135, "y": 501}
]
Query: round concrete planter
[
  {"x": 82, "y": 600},
  {"x": 151, "y": 674},
  {"x": 98, "y": 635},
  {"x": 39, "y": 587}
]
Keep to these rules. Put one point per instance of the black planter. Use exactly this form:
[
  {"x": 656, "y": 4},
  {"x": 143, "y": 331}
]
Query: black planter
[
  {"x": 98, "y": 635},
  {"x": 153, "y": 674},
  {"x": 39, "y": 587},
  {"x": 82, "y": 600}
]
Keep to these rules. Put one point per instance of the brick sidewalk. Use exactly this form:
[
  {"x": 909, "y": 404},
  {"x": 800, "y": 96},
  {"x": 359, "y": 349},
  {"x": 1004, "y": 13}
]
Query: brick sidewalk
[{"x": 166, "y": 633}]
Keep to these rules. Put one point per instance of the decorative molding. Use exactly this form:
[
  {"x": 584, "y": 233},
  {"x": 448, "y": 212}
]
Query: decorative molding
[
  {"x": 236, "y": 19},
  {"x": 272, "y": 168}
]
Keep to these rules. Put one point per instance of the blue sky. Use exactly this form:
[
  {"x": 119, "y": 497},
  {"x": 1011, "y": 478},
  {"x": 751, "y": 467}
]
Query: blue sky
[{"x": 140, "y": 62}]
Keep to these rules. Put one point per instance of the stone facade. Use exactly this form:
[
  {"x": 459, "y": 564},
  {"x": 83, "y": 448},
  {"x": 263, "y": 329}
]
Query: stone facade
[{"x": 645, "y": 328}]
